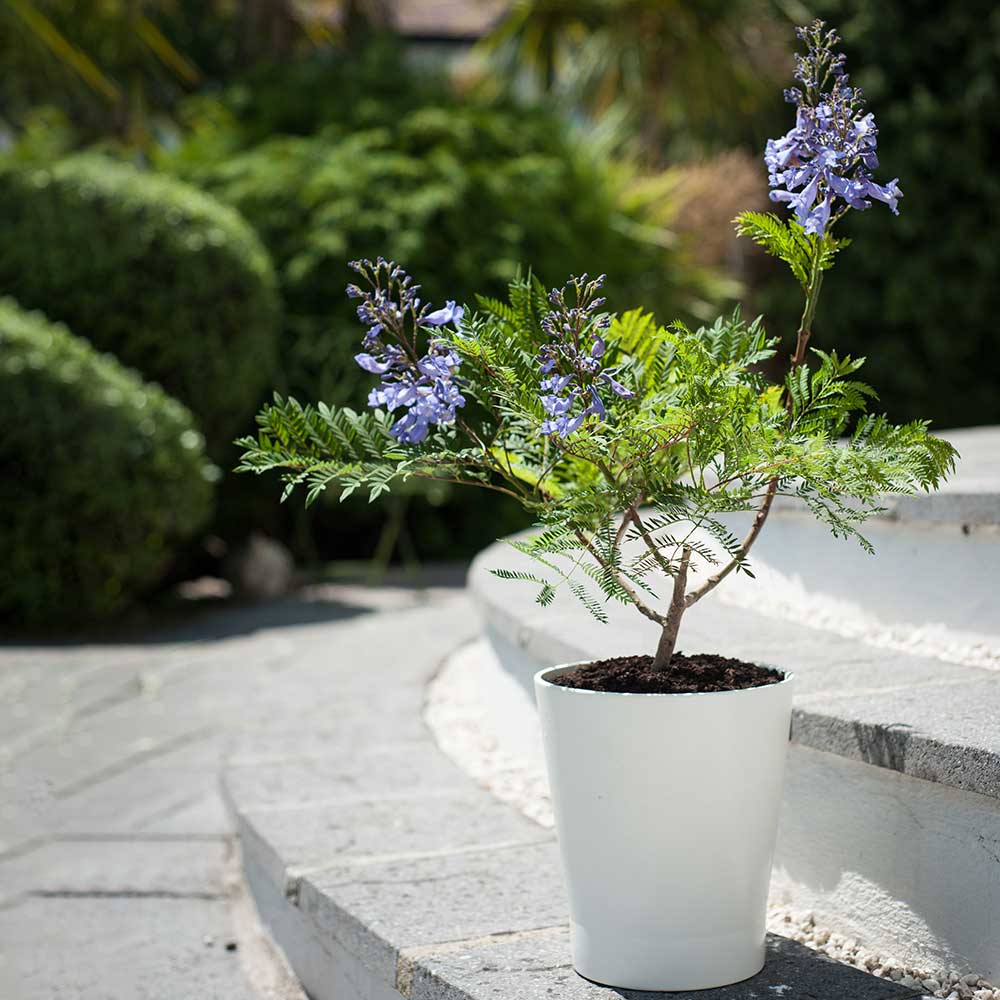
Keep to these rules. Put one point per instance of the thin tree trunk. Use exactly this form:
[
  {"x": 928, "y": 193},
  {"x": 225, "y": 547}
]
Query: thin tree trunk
[
  {"x": 758, "y": 522},
  {"x": 672, "y": 623}
]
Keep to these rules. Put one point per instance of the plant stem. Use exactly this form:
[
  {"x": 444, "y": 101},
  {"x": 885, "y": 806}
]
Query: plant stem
[
  {"x": 758, "y": 522},
  {"x": 809, "y": 310},
  {"x": 633, "y": 515},
  {"x": 679, "y": 601},
  {"x": 633, "y": 594},
  {"x": 672, "y": 622}
]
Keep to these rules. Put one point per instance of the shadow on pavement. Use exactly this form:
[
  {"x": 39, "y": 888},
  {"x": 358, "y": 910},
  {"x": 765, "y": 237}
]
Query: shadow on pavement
[{"x": 211, "y": 619}]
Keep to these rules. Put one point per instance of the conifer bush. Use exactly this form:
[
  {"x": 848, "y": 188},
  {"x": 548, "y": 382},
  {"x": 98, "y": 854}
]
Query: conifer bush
[
  {"x": 103, "y": 476},
  {"x": 170, "y": 281}
]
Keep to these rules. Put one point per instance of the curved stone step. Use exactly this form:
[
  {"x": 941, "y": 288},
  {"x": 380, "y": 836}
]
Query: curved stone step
[
  {"x": 937, "y": 560},
  {"x": 891, "y": 822},
  {"x": 383, "y": 871}
]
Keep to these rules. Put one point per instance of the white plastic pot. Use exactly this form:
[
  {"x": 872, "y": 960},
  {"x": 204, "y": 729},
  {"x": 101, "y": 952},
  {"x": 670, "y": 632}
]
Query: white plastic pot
[{"x": 666, "y": 808}]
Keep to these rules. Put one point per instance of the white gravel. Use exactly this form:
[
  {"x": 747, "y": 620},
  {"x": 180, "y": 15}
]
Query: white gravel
[
  {"x": 464, "y": 725},
  {"x": 464, "y": 718},
  {"x": 944, "y": 983}
]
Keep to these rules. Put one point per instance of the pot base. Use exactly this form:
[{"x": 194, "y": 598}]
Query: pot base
[{"x": 636, "y": 962}]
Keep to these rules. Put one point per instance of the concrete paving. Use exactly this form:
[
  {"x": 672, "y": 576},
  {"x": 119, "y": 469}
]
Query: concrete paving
[{"x": 119, "y": 869}]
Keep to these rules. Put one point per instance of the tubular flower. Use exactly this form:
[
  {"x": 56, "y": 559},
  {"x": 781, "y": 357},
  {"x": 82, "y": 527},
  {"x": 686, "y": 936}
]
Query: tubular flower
[
  {"x": 823, "y": 166},
  {"x": 424, "y": 386},
  {"x": 571, "y": 361}
]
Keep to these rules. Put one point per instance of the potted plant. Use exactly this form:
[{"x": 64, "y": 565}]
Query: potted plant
[{"x": 630, "y": 442}]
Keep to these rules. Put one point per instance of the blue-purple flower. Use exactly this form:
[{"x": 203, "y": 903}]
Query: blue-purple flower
[
  {"x": 571, "y": 361},
  {"x": 823, "y": 166},
  {"x": 424, "y": 385},
  {"x": 449, "y": 314}
]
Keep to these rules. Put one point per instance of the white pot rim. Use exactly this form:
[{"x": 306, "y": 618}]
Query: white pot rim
[{"x": 541, "y": 679}]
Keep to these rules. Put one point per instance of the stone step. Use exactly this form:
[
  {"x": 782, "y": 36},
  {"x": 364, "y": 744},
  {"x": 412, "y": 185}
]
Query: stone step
[
  {"x": 382, "y": 870},
  {"x": 891, "y": 822}
]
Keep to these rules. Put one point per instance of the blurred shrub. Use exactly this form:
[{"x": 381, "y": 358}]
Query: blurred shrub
[
  {"x": 919, "y": 294},
  {"x": 170, "y": 281},
  {"x": 463, "y": 193},
  {"x": 686, "y": 76},
  {"x": 103, "y": 475},
  {"x": 355, "y": 87},
  {"x": 118, "y": 67},
  {"x": 709, "y": 194},
  {"x": 341, "y": 158}
]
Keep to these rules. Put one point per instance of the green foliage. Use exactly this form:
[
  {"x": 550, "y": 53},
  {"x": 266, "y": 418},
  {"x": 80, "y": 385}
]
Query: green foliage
[
  {"x": 361, "y": 85},
  {"x": 117, "y": 68},
  {"x": 704, "y": 435},
  {"x": 919, "y": 294},
  {"x": 328, "y": 444},
  {"x": 376, "y": 157},
  {"x": 788, "y": 241},
  {"x": 341, "y": 158},
  {"x": 170, "y": 281},
  {"x": 103, "y": 475},
  {"x": 674, "y": 71}
]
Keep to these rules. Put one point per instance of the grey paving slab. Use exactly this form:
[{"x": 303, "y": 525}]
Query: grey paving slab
[
  {"x": 380, "y": 910},
  {"x": 112, "y": 829},
  {"x": 537, "y": 967},
  {"x": 287, "y": 741},
  {"x": 389, "y": 660},
  {"x": 149, "y": 785},
  {"x": 116, "y": 866},
  {"x": 368, "y": 770},
  {"x": 60, "y": 691},
  {"x": 947, "y": 734},
  {"x": 119, "y": 949},
  {"x": 17, "y": 832},
  {"x": 189, "y": 812},
  {"x": 293, "y": 682},
  {"x": 425, "y": 818},
  {"x": 109, "y": 744},
  {"x": 339, "y": 712},
  {"x": 324, "y": 967}
]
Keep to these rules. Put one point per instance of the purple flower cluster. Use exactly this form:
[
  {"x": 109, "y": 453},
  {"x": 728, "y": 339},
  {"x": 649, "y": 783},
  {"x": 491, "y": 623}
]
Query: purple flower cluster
[
  {"x": 424, "y": 384},
  {"x": 571, "y": 361},
  {"x": 824, "y": 165}
]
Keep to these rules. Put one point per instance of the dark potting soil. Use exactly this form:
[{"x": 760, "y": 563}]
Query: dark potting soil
[{"x": 685, "y": 675}]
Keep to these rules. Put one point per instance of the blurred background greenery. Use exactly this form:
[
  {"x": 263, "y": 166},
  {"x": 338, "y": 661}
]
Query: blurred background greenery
[{"x": 183, "y": 181}]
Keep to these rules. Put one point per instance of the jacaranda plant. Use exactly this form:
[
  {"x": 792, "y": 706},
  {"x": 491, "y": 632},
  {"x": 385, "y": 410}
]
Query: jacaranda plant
[
  {"x": 631, "y": 443},
  {"x": 628, "y": 440}
]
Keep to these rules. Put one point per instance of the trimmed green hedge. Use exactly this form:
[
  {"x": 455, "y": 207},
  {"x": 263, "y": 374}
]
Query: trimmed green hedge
[
  {"x": 101, "y": 476},
  {"x": 163, "y": 276}
]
